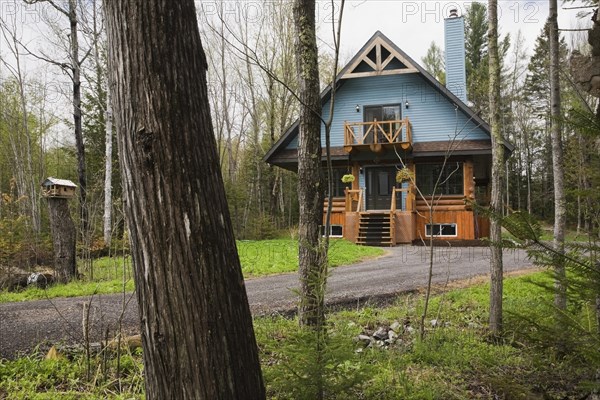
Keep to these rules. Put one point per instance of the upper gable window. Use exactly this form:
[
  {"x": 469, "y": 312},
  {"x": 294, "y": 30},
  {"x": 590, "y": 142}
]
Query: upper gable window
[{"x": 383, "y": 113}]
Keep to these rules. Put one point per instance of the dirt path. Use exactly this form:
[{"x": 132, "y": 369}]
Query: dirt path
[{"x": 28, "y": 324}]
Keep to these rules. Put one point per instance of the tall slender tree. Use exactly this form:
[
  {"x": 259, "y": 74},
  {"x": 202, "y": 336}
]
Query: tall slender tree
[
  {"x": 496, "y": 267},
  {"x": 73, "y": 68},
  {"x": 197, "y": 331},
  {"x": 311, "y": 257},
  {"x": 560, "y": 213}
]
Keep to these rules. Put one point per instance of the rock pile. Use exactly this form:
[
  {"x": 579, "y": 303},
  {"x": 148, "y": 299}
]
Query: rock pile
[{"x": 385, "y": 337}]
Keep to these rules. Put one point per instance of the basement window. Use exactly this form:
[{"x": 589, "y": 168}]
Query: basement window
[
  {"x": 334, "y": 230},
  {"x": 440, "y": 230}
]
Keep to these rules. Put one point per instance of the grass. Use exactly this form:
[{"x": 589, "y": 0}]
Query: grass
[
  {"x": 259, "y": 258},
  {"x": 456, "y": 360},
  {"x": 547, "y": 235},
  {"x": 267, "y": 257}
]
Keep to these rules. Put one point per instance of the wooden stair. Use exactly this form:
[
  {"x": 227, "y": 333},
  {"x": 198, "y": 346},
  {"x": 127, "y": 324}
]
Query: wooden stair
[{"x": 374, "y": 229}]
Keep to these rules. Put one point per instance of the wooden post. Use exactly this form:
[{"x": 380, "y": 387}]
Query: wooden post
[
  {"x": 468, "y": 183},
  {"x": 63, "y": 239},
  {"x": 58, "y": 192},
  {"x": 356, "y": 173}
]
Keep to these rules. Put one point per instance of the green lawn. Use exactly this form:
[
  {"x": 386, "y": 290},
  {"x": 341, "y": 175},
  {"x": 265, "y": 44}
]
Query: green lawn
[
  {"x": 267, "y": 257},
  {"x": 456, "y": 360},
  {"x": 258, "y": 258}
]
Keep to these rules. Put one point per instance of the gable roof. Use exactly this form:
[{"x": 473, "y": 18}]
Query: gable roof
[
  {"x": 378, "y": 65},
  {"x": 60, "y": 182}
]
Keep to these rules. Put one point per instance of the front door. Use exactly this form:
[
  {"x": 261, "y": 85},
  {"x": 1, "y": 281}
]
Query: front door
[{"x": 380, "y": 182}]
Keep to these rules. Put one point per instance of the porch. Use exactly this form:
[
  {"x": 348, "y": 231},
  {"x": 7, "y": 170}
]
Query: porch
[
  {"x": 377, "y": 210},
  {"x": 383, "y": 227}
]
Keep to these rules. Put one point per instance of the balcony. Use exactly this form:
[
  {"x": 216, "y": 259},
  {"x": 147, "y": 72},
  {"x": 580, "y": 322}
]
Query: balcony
[{"x": 377, "y": 136}]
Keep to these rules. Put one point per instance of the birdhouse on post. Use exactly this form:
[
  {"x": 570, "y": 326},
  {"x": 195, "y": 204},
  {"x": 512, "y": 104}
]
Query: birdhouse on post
[
  {"x": 58, "y": 192},
  {"x": 60, "y": 188}
]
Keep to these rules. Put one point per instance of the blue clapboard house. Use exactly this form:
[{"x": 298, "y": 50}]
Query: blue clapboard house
[{"x": 404, "y": 137}]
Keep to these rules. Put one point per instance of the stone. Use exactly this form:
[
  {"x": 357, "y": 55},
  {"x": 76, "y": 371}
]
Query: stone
[
  {"x": 380, "y": 334},
  {"x": 395, "y": 326},
  {"x": 41, "y": 280},
  {"x": 409, "y": 329},
  {"x": 392, "y": 335},
  {"x": 364, "y": 338},
  {"x": 434, "y": 322}
]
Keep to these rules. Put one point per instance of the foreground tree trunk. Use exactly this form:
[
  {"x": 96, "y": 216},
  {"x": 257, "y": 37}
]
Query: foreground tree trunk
[
  {"x": 496, "y": 267},
  {"x": 560, "y": 212},
  {"x": 311, "y": 258},
  {"x": 196, "y": 328},
  {"x": 63, "y": 239}
]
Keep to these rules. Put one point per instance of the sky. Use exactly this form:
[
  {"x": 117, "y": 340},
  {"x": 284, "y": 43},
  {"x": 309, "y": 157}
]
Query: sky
[{"x": 413, "y": 25}]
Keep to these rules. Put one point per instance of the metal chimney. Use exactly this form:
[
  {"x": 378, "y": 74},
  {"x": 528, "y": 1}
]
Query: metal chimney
[{"x": 454, "y": 39}]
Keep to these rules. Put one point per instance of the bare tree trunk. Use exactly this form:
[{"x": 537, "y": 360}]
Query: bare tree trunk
[
  {"x": 63, "y": 238},
  {"x": 496, "y": 267},
  {"x": 108, "y": 173},
  {"x": 310, "y": 179},
  {"x": 560, "y": 297},
  {"x": 197, "y": 333},
  {"x": 76, "y": 70},
  {"x": 26, "y": 177}
]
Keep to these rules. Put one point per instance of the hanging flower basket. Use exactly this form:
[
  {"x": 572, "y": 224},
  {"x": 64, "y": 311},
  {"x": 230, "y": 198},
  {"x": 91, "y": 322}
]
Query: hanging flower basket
[
  {"x": 404, "y": 175},
  {"x": 348, "y": 178}
]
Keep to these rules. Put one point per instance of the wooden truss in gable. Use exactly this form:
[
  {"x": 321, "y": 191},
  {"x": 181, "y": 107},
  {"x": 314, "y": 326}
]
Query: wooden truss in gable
[{"x": 379, "y": 58}]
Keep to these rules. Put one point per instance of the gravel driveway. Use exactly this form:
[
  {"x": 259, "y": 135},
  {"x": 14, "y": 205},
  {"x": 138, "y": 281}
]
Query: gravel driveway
[{"x": 404, "y": 268}]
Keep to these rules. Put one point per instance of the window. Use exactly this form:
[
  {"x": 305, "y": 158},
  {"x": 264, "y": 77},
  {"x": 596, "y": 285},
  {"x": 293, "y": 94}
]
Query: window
[
  {"x": 382, "y": 113},
  {"x": 440, "y": 230},
  {"x": 338, "y": 185},
  {"x": 450, "y": 178},
  {"x": 334, "y": 230}
]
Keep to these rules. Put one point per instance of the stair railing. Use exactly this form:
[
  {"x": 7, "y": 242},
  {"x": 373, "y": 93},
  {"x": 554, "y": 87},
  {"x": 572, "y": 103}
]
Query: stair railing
[{"x": 354, "y": 195}]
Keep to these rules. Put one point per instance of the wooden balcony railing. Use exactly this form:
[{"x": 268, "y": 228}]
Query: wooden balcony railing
[{"x": 377, "y": 135}]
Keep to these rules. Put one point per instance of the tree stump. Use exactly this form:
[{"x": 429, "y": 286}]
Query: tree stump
[{"x": 63, "y": 239}]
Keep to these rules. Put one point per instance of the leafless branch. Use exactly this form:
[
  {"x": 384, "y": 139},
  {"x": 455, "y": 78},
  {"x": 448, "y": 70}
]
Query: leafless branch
[
  {"x": 51, "y": 2},
  {"x": 243, "y": 49}
]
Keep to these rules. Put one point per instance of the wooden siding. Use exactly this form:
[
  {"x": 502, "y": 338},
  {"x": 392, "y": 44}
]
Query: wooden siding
[
  {"x": 482, "y": 227},
  {"x": 337, "y": 218},
  {"x": 405, "y": 227},
  {"x": 338, "y": 212},
  {"x": 454, "y": 45},
  {"x": 432, "y": 116},
  {"x": 465, "y": 224},
  {"x": 351, "y": 226}
]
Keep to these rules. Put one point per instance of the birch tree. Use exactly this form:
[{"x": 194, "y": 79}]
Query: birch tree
[
  {"x": 72, "y": 67},
  {"x": 560, "y": 298},
  {"x": 22, "y": 139},
  {"x": 496, "y": 267},
  {"x": 196, "y": 325}
]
